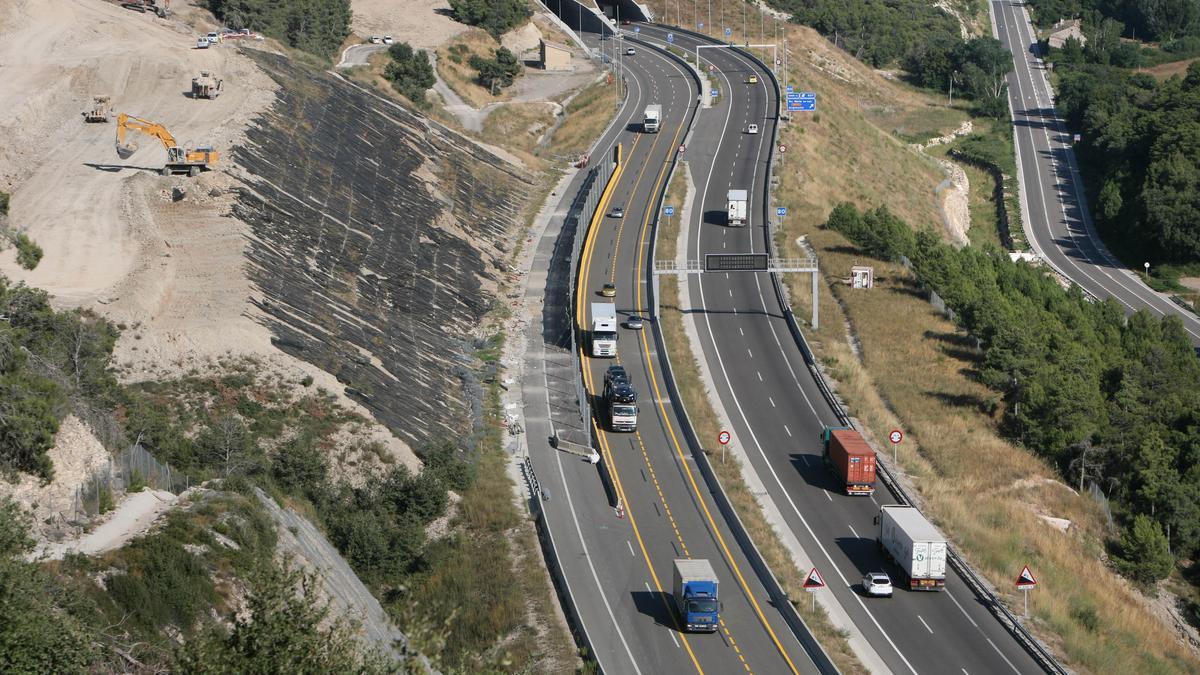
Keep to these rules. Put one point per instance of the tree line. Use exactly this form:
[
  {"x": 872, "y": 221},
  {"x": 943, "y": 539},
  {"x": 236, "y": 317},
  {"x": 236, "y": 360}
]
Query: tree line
[
  {"x": 314, "y": 26},
  {"x": 1109, "y": 400},
  {"x": 1156, "y": 20},
  {"x": 879, "y": 32},
  {"x": 1140, "y": 155}
]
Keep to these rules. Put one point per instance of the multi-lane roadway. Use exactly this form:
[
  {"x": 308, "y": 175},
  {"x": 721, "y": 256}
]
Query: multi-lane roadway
[
  {"x": 1052, "y": 197},
  {"x": 618, "y": 564}
]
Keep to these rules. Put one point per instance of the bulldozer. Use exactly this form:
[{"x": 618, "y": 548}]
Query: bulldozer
[
  {"x": 158, "y": 9},
  {"x": 179, "y": 160},
  {"x": 206, "y": 86},
  {"x": 101, "y": 110}
]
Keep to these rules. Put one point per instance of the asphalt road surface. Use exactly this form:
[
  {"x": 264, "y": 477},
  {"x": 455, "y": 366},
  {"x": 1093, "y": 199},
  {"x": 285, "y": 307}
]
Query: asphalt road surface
[{"x": 1052, "y": 195}]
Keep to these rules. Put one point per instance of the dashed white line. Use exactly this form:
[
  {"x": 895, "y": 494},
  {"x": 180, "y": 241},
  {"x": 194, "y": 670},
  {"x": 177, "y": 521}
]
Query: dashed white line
[
  {"x": 852, "y": 531},
  {"x": 789, "y": 431},
  {"x": 630, "y": 548},
  {"x": 1010, "y": 663},
  {"x": 925, "y": 624},
  {"x": 749, "y": 352},
  {"x": 827, "y": 495},
  {"x": 772, "y": 400},
  {"x": 759, "y": 374}
]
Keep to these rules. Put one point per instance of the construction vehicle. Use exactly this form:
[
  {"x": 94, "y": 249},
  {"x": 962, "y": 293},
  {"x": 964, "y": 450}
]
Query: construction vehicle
[
  {"x": 206, "y": 86},
  {"x": 101, "y": 110},
  {"x": 160, "y": 10},
  {"x": 179, "y": 160}
]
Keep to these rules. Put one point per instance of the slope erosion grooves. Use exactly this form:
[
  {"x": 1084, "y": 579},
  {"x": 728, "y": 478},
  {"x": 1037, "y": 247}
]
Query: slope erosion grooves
[{"x": 377, "y": 245}]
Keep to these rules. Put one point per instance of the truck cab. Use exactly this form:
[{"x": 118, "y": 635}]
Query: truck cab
[
  {"x": 622, "y": 408},
  {"x": 652, "y": 118},
  {"x": 604, "y": 330}
]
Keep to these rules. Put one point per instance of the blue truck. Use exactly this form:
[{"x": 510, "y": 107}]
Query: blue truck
[{"x": 696, "y": 595}]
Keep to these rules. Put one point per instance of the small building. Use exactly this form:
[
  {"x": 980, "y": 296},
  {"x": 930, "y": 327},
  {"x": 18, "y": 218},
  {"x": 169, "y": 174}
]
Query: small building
[
  {"x": 862, "y": 276},
  {"x": 553, "y": 56},
  {"x": 1065, "y": 30}
]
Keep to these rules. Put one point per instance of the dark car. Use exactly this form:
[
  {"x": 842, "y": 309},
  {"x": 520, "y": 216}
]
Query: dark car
[
  {"x": 634, "y": 322},
  {"x": 614, "y": 376}
]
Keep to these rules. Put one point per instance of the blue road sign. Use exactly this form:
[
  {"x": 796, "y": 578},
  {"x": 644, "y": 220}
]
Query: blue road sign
[
  {"x": 781, "y": 211},
  {"x": 669, "y": 210},
  {"x": 637, "y": 29},
  {"x": 728, "y": 32},
  {"x": 714, "y": 93},
  {"x": 807, "y": 105},
  {"x": 794, "y": 105},
  {"x": 808, "y": 94},
  {"x": 789, "y": 89},
  {"x": 670, "y": 37}
]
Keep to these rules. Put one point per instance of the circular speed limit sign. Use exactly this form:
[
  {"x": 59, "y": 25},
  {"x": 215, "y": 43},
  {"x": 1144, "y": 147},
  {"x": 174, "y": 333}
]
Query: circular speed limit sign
[
  {"x": 723, "y": 438},
  {"x": 895, "y": 437},
  {"x": 782, "y": 148}
]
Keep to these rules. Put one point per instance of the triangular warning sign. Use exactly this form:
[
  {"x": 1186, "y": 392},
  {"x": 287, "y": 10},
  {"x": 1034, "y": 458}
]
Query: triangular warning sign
[
  {"x": 814, "y": 580},
  {"x": 1026, "y": 579}
]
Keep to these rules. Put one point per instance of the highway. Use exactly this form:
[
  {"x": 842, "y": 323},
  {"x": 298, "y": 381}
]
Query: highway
[
  {"x": 618, "y": 563},
  {"x": 1052, "y": 196},
  {"x": 777, "y": 410}
]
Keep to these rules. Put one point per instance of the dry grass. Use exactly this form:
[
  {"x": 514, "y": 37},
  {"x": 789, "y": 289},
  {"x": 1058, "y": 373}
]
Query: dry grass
[
  {"x": 519, "y": 125},
  {"x": 703, "y": 419},
  {"x": 1168, "y": 70},
  {"x": 453, "y": 65},
  {"x": 587, "y": 115},
  {"x": 985, "y": 221}
]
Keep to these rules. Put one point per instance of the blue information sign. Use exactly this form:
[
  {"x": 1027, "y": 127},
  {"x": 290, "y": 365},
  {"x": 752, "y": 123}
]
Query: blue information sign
[
  {"x": 790, "y": 89},
  {"x": 714, "y": 93},
  {"x": 670, "y": 37},
  {"x": 728, "y": 32},
  {"x": 781, "y": 211},
  {"x": 637, "y": 29},
  {"x": 669, "y": 210}
]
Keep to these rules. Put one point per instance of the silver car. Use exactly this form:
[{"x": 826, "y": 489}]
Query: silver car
[{"x": 877, "y": 584}]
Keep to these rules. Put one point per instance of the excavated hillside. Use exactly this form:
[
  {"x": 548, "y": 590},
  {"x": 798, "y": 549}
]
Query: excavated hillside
[{"x": 378, "y": 239}]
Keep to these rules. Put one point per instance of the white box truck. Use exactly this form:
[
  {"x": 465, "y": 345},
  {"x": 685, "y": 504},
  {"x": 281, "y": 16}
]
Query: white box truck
[
  {"x": 737, "y": 205},
  {"x": 914, "y": 544},
  {"x": 604, "y": 329},
  {"x": 652, "y": 119}
]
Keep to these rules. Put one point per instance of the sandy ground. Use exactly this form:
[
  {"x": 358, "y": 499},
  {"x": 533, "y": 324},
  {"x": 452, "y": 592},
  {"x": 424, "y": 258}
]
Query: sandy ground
[
  {"x": 133, "y": 516},
  {"x": 158, "y": 256},
  {"x": 420, "y": 23}
]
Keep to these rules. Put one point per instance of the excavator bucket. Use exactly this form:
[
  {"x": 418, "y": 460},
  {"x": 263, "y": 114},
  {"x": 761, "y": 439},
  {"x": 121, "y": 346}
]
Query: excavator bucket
[{"x": 126, "y": 151}]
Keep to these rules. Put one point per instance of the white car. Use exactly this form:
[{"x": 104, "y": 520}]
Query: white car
[
  {"x": 214, "y": 37},
  {"x": 202, "y": 43},
  {"x": 375, "y": 39},
  {"x": 752, "y": 129},
  {"x": 630, "y": 51},
  {"x": 387, "y": 40},
  {"x": 877, "y": 584}
]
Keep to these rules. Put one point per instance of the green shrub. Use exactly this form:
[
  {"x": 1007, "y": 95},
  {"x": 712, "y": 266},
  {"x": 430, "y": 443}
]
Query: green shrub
[
  {"x": 137, "y": 482},
  {"x": 3, "y": 203},
  {"x": 499, "y": 71},
  {"x": 29, "y": 254},
  {"x": 163, "y": 584},
  {"x": 494, "y": 16},
  {"x": 314, "y": 26},
  {"x": 1145, "y": 556},
  {"x": 410, "y": 71}
]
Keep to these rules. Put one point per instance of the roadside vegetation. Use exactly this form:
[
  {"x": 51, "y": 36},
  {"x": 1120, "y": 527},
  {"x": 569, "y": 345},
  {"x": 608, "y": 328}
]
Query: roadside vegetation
[
  {"x": 497, "y": 17},
  {"x": 318, "y": 27},
  {"x": 879, "y": 33},
  {"x": 29, "y": 254},
  {"x": 410, "y": 72}
]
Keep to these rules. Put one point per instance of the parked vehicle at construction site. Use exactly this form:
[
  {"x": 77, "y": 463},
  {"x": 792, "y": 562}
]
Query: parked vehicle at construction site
[
  {"x": 101, "y": 110},
  {"x": 206, "y": 86},
  {"x": 159, "y": 8},
  {"x": 179, "y": 160}
]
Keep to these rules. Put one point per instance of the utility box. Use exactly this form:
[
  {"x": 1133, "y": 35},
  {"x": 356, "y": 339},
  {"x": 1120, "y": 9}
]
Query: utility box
[{"x": 862, "y": 276}]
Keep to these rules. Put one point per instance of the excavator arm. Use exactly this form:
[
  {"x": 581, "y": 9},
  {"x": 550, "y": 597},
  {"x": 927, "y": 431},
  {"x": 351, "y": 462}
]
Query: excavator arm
[{"x": 124, "y": 122}]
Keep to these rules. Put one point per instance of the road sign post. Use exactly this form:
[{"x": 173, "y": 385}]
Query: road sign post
[
  {"x": 668, "y": 211},
  {"x": 723, "y": 438},
  {"x": 895, "y": 437},
  {"x": 1026, "y": 583},
  {"x": 813, "y": 583}
]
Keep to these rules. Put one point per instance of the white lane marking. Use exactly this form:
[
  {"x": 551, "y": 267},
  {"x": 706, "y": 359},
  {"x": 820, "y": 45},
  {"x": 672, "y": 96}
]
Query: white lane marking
[
  {"x": 925, "y": 624},
  {"x": 831, "y": 499},
  {"x": 630, "y": 548},
  {"x": 1010, "y": 663},
  {"x": 669, "y": 631},
  {"x": 743, "y": 333},
  {"x": 961, "y": 608},
  {"x": 852, "y": 531},
  {"x": 772, "y": 400},
  {"x": 759, "y": 374},
  {"x": 749, "y": 352},
  {"x": 789, "y": 431}
]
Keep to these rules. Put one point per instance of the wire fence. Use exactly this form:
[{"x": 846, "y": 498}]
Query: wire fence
[{"x": 133, "y": 468}]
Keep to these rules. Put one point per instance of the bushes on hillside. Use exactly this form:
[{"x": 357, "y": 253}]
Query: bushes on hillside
[
  {"x": 879, "y": 32},
  {"x": 314, "y": 26},
  {"x": 410, "y": 72},
  {"x": 977, "y": 68},
  {"x": 499, "y": 71},
  {"x": 1090, "y": 390},
  {"x": 494, "y": 16}
]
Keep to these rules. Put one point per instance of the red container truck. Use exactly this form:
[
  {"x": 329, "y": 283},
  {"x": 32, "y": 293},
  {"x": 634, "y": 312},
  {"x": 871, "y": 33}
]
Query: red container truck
[{"x": 851, "y": 458}]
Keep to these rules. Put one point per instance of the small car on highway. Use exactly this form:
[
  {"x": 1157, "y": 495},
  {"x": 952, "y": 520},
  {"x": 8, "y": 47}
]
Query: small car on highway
[
  {"x": 634, "y": 322},
  {"x": 609, "y": 290},
  {"x": 752, "y": 128},
  {"x": 629, "y": 51},
  {"x": 877, "y": 584},
  {"x": 617, "y": 212},
  {"x": 753, "y": 79}
]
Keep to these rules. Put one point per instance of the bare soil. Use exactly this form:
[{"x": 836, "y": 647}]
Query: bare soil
[{"x": 420, "y": 23}]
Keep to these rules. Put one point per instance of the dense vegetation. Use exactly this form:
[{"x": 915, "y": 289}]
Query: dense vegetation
[
  {"x": 1159, "y": 20},
  {"x": 409, "y": 71},
  {"x": 977, "y": 68},
  {"x": 51, "y": 363},
  {"x": 314, "y": 26},
  {"x": 1139, "y": 154},
  {"x": 499, "y": 71},
  {"x": 879, "y": 32},
  {"x": 1109, "y": 401},
  {"x": 495, "y": 16}
]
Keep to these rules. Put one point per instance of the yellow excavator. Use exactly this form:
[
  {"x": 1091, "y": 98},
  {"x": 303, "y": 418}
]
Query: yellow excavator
[{"x": 179, "y": 160}]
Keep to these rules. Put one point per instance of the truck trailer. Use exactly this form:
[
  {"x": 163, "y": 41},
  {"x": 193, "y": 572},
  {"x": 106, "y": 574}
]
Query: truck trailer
[
  {"x": 737, "y": 207},
  {"x": 620, "y": 399},
  {"x": 695, "y": 590},
  {"x": 604, "y": 329},
  {"x": 652, "y": 119},
  {"x": 914, "y": 544},
  {"x": 851, "y": 459}
]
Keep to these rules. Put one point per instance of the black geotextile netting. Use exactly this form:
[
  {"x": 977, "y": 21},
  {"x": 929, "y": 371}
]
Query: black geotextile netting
[{"x": 378, "y": 237}]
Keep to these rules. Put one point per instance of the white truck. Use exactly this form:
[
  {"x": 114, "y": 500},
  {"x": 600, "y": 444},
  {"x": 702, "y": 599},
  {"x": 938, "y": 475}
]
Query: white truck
[
  {"x": 914, "y": 544},
  {"x": 652, "y": 119},
  {"x": 737, "y": 205},
  {"x": 604, "y": 329}
]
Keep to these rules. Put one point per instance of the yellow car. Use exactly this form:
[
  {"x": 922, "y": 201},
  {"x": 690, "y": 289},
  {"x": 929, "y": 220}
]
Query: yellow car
[
  {"x": 753, "y": 79},
  {"x": 609, "y": 291}
]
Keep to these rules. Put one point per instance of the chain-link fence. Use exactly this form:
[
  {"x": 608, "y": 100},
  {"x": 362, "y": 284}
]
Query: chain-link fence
[{"x": 133, "y": 468}]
